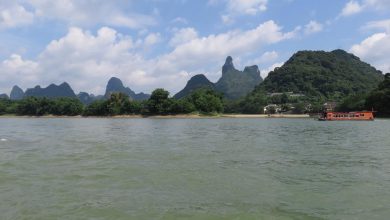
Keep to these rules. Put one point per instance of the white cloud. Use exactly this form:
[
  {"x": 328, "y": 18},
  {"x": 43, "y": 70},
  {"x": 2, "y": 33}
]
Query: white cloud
[
  {"x": 14, "y": 15},
  {"x": 236, "y": 8},
  {"x": 381, "y": 25},
  {"x": 265, "y": 58},
  {"x": 352, "y": 7},
  {"x": 227, "y": 19},
  {"x": 268, "y": 56},
  {"x": 313, "y": 27},
  {"x": 375, "y": 50},
  {"x": 152, "y": 39},
  {"x": 73, "y": 12},
  {"x": 250, "y": 7},
  {"x": 87, "y": 60},
  {"x": 265, "y": 72},
  {"x": 215, "y": 48},
  {"x": 382, "y": 5},
  {"x": 355, "y": 7},
  {"x": 183, "y": 35},
  {"x": 180, "y": 20},
  {"x": 15, "y": 68}
]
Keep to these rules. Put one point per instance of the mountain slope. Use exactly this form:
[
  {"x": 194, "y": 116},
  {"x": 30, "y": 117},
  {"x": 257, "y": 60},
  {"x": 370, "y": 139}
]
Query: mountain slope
[
  {"x": 235, "y": 84},
  {"x": 52, "y": 91},
  {"x": 332, "y": 75},
  {"x": 16, "y": 93},
  {"x": 196, "y": 82},
  {"x": 115, "y": 85}
]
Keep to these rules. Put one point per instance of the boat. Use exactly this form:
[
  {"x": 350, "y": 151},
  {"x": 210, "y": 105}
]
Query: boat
[{"x": 347, "y": 116}]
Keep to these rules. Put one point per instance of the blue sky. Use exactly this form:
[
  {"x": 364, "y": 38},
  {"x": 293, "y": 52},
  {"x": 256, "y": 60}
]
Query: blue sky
[{"x": 162, "y": 43}]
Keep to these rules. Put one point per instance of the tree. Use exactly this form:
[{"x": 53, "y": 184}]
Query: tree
[
  {"x": 67, "y": 106},
  {"x": 379, "y": 99},
  {"x": 117, "y": 103},
  {"x": 206, "y": 101},
  {"x": 182, "y": 106},
  {"x": 299, "y": 108},
  {"x": 27, "y": 106},
  {"x": 159, "y": 102},
  {"x": 97, "y": 108},
  {"x": 3, "y": 106},
  {"x": 133, "y": 107},
  {"x": 254, "y": 103},
  {"x": 352, "y": 103}
]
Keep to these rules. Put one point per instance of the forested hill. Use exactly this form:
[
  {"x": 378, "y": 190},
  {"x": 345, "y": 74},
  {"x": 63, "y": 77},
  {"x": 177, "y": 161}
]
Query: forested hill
[{"x": 331, "y": 75}]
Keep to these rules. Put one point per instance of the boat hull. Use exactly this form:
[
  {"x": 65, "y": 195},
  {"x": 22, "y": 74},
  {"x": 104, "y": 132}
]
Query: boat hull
[{"x": 347, "y": 116}]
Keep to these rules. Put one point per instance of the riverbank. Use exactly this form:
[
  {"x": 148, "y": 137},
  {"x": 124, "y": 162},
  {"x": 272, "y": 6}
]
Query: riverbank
[{"x": 171, "y": 116}]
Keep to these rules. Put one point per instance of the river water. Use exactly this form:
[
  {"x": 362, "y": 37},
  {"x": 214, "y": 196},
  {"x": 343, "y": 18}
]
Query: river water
[{"x": 194, "y": 169}]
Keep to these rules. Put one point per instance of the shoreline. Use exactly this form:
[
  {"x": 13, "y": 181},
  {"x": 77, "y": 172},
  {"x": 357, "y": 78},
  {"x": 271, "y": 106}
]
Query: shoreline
[{"x": 181, "y": 116}]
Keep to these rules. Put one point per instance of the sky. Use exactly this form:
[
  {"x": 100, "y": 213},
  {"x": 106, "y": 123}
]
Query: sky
[{"x": 163, "y": 43}]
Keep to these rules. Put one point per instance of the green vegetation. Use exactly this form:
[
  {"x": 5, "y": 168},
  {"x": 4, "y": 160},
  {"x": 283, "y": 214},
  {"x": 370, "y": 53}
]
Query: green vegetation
[
  {"x": 379, "y": 99},
  {"x": 353, "y": 103},
  {"x": 34, "y": 106},
  {"x": 253, "y": 104},
  {"x": 302, "y": 85},
  {"x": 204, "y": 101}
]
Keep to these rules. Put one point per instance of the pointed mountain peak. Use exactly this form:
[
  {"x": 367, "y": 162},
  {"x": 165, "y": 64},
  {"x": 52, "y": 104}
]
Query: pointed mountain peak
[
  {"x": 228, "y": 65},
  {"x": 16, "y": 93},
  {"x": 229, "y": 60},
  {"x": 115, "y": 81},
  {"x": 64, "y": 85},
  {"x": 199, "y": 78}
]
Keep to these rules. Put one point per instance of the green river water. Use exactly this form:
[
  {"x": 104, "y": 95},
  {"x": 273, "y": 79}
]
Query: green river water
[{"x": 193, "y": 169}]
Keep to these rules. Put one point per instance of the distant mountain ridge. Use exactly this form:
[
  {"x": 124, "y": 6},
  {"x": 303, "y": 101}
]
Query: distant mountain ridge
[
  {"x": 233, "y": 83},
  {"x": 114, "y": 85},
  {"x": 4, "y": 96},
  {"x": 52, "y": 91}
]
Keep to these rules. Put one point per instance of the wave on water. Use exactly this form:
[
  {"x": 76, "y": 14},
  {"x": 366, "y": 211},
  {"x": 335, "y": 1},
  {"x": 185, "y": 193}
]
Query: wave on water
[{"x": 3, "y": 140}]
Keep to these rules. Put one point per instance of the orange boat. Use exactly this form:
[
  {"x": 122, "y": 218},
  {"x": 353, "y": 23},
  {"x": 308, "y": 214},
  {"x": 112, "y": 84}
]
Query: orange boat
[{"x": 347, "y": 116}]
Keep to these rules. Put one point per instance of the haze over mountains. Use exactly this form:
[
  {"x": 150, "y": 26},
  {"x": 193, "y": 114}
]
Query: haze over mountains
[
  {"x": 114, "y": 85},
  {"x": 331, "y": 75}
]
